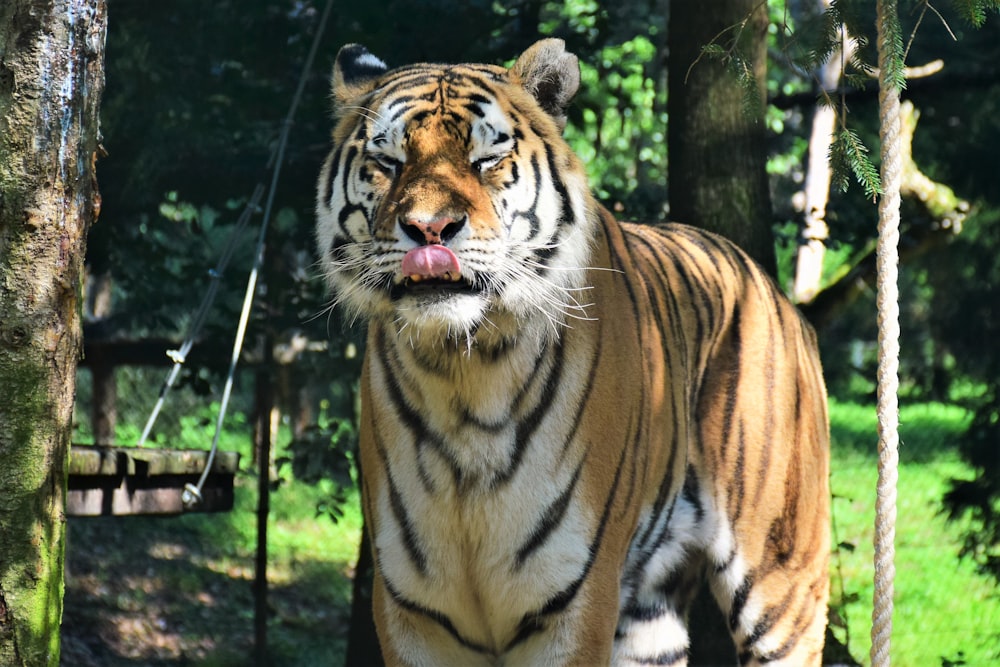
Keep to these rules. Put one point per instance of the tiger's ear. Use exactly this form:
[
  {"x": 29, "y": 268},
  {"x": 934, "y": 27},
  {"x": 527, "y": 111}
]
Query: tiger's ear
[
  {"x": 550, "y": 74},
  {"x": 355, "y": 73}
]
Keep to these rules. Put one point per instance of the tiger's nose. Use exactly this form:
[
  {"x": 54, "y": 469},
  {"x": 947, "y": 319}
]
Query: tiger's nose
[{"x": 438, "y": 230}]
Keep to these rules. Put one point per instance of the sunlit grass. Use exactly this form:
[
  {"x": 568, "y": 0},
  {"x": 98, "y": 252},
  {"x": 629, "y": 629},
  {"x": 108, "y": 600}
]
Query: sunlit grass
[{"x": 944, "y": 610}]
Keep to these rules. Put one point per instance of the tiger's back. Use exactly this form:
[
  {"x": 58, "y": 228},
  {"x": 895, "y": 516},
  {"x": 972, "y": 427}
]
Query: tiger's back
[{"x": 565, "y": 420}]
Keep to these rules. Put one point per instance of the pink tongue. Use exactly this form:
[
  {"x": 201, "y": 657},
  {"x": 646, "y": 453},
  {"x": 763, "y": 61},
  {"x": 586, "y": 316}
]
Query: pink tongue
[{"x": 430, "y": 261}]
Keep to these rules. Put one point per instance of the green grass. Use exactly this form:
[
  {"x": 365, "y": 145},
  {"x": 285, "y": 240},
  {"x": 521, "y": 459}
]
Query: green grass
[
  {"x": 944, "y": 610},
  {"x": 154, "y": 591}
]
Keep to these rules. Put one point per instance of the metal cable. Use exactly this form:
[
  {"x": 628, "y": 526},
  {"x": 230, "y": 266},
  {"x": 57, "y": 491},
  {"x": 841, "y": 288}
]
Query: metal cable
[
  {"x": 179, "y": 356},
  {"x": 192, "y": 492}
]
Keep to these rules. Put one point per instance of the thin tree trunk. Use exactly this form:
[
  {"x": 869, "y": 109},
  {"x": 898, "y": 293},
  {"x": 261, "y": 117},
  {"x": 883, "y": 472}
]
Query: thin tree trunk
[
  {"x": 104, "y": 396},
  {"x": 716, "y": 133},
  {"x": 809, "y": 260},
  {"x": 51, "y": 79},
  {"x": 717, "y": 176}
]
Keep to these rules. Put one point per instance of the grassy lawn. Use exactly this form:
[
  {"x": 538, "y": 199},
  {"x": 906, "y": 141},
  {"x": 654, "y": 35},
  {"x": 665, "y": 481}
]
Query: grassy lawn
[
  {"x": 944, "y": 610},
  {"x": 159, "y": 591},
  {"x": 178, "y": 591}
]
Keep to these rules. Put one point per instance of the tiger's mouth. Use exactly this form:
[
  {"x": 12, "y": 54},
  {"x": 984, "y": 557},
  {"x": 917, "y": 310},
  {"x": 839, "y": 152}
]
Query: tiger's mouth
[
  {"x": 444, "y": 286},
  {"x": 431, "y": 269}
]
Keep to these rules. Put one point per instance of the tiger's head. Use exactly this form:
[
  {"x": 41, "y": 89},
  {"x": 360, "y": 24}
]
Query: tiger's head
[{"x": 450, "y": 205}]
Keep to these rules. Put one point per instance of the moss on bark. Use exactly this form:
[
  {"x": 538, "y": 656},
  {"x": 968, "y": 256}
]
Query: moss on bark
[{"x": 51, "y": 78}]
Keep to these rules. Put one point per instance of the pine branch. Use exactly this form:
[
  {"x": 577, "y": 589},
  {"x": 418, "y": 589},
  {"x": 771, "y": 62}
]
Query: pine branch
[
  {"x": 974, "y": 11},
  {"x": 848, "y": 154}
]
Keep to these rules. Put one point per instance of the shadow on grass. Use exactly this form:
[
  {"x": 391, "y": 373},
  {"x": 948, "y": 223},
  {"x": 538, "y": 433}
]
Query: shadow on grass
[
  {"x": 161, "y": 592},
  {"x": 927, "y": 431}
]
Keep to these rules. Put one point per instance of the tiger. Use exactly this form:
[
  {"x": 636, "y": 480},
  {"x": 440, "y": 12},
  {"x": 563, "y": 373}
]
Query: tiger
[{"x": 566, "y": 421}]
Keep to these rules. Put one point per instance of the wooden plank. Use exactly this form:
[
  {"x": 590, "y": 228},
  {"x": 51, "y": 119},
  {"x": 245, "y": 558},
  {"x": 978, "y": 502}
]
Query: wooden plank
[
  {"x": 116, "y": 481},
  {"x": 88, "y": 460},
  {"x": 103, "y": 495}
]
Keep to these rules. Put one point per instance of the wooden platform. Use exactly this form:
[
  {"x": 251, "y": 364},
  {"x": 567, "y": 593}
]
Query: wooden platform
[{"x": 116, "y": 481}]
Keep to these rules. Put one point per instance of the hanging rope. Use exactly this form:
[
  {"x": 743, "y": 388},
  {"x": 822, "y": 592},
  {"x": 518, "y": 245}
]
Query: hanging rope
[
  {"x": 887, "y": 260},
  {"x": 179, "y": 356},
  {"x": 192, "y": 492}
]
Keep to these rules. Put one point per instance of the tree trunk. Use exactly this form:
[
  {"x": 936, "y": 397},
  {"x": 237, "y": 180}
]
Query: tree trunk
[
  {"x": 816, "y": 193},
  {"x": 716, "y": 134},
  {"x": 717, "y": 175},
  {"x": 362, "y": 641},
  {"x": 51, "y": 78},
  {"x": 104, "y": 396}
]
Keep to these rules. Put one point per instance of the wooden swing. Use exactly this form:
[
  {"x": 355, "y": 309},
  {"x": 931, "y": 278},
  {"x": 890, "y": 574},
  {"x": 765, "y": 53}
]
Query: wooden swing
[
  {"x": 116, "y": 481},
  {"x": 119, "y": 481}
]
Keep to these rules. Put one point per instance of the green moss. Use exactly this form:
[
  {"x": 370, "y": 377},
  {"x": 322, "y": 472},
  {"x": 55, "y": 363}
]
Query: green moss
[{"x": 32, "y": 529}]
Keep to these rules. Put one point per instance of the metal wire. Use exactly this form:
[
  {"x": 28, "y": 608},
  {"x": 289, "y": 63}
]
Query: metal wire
[{"x": 192, "y": 493}]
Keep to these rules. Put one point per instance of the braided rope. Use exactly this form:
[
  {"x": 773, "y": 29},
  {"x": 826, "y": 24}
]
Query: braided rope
[{"x": 887, "y": 260}]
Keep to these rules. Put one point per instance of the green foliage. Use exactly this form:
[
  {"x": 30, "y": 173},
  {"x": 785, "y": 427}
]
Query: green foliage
[
  {"x": 618, "y": 128},
  {"x": 618, "y": 118},
  {"x": 849, "y": 155},
  {"x": 324, "y": 452},
  {"x": 964, "y": 296},
  {"x": 974, "y": 11},
  {"x": 892, "y": 57}
]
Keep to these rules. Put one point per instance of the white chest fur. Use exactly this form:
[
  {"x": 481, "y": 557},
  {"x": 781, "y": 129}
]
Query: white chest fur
[{"x": 481, "y": 461}]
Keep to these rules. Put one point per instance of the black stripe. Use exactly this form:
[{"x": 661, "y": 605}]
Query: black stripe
[
  {"x": 698, "y": 284},
  {"x": 475, "y": 109},
  {"x": 683, "y": 272},
  {"x": 559, "y": 185},
  {"x": 410, "y": 540},
  {"x": 726, "y": 564},
  {"x": 690, "y": 493},
  {"x": 406, "y": 80},
  {"x": 438, "y": 617},
  {"x": 665, "y": 658},
  {"x": 648, "y": 543},
  {"x": 532, "y": 621},
  {"x": 422, "y": 435},
  {"x": 738, "y": 602},
  {"x": 478, "y": 99},
  {"x": 531, "y": 213},
  {"x": 764, "y": 626},
  {"x": 767, "y": 440},
  {"x": 737, "y": 485},
  {"x": 346, "y": 212},
  {"x": 326, "y": 186},
  {"x": 623, "y": 264},
  {"x": 731, "y": 389},
  {"x": 644, "y": 613},
  {"x": 526, "y": 427},
  {"x": 468, "y": 419},
  {"x": 551, "y": 518}
]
